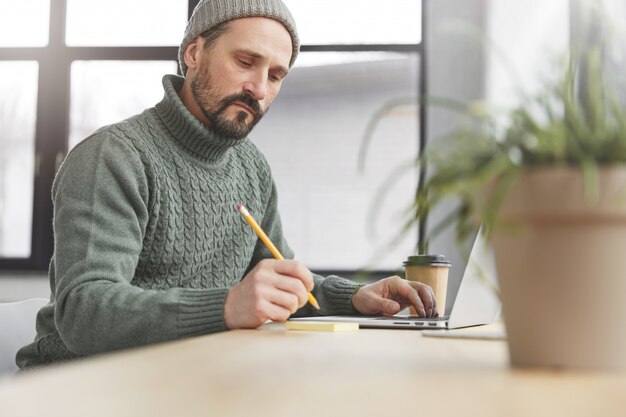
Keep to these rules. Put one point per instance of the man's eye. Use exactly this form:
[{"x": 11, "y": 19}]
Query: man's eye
[
  {"x": 277, "y": 76},
  {"x": 245, "y": 63}
]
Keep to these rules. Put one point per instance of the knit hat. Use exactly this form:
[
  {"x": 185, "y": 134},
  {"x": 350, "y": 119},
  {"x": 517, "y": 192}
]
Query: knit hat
[{"x": 210, "y": 13}]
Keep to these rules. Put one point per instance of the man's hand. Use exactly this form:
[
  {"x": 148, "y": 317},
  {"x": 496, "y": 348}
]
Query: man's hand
[
  {"x": 390, "y": 295},
  {"x": 272, "y": 290}
]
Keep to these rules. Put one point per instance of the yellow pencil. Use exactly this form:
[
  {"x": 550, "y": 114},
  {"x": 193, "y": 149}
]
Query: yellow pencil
[{"x": 266, "y": 240}]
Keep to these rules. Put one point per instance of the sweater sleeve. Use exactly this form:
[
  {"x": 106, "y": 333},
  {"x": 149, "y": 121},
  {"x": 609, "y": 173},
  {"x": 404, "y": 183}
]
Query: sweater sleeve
[
  {"x": 333, "y": 293},
  {"x": 101, "y": 208}
]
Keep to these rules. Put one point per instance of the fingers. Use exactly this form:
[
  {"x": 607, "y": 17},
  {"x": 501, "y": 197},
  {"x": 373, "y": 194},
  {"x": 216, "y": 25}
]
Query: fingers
[
  {"x": 426, "y": 293},
  {"x": 291, "y": 277},
  {"x": 293, "y": 287},
  {"x": 416, "y": 302},
  {"x": 272, "y": 290},
  {"x": 293, "y": 269},
  {"x": 281, "y": 306},
  {"x": 426, "y": 296},
  {"x": 419, "y": 295},
  {"x": 389, "y": 295},
  {"x": 251, "y": 303},
  {"x": 267, "y": 309}
]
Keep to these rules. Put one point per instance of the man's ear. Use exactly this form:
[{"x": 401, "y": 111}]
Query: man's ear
[{"x": 190, "y": 56}]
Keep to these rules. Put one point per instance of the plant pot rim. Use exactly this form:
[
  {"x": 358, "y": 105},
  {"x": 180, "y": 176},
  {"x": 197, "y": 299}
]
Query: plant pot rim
[{"x": 561, "y": 194}]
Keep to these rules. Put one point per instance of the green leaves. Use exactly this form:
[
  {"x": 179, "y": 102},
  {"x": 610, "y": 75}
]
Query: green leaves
[{"x": 577, "y": 120}]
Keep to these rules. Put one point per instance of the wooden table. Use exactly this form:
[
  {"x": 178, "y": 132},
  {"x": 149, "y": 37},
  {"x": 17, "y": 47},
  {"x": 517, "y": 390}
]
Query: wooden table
[{"x": 274, "y": 372}]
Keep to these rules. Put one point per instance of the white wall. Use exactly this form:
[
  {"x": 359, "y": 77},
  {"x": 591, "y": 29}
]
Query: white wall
[
  {"x": 14, "y": 287},
  {"x": 312, "y": 135}
]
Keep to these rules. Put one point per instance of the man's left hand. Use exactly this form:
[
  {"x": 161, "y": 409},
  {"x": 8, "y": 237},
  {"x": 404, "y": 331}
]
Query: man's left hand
[{"x": 390, "y": 295}]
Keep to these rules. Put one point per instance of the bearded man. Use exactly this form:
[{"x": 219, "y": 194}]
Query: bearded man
[{"x": 149, "y": 246}]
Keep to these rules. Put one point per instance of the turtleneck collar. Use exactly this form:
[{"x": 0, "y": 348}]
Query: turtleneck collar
[{"x": 197, "y": 139}]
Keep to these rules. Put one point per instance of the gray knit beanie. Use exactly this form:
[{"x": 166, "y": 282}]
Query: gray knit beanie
[{"x": 210, "y": 13}]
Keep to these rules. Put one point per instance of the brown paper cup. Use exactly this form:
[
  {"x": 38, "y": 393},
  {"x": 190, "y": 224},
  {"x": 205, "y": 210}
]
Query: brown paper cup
[{"x": 431, "y": 270}]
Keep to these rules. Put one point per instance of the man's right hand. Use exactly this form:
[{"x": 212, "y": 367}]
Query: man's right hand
[{"x": 272, "y": 290}]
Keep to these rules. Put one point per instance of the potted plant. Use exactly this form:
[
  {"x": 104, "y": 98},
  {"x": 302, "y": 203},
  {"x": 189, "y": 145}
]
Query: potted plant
[{"x": 547, "y": 181}]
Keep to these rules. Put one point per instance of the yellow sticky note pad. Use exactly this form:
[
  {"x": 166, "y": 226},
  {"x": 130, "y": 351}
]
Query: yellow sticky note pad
[{"x": 321, "y": 326}]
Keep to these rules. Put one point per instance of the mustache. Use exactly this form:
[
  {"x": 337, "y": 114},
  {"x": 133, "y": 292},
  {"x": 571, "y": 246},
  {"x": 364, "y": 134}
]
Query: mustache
[{"x": 243, "y": 98}]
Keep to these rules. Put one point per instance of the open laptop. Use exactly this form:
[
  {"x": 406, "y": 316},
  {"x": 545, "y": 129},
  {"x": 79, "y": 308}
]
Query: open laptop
[{"x": 476, "y": 302}]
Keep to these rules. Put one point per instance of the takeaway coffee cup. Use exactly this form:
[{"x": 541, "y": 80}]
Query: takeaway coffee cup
[{"x": 431, "y": 270}]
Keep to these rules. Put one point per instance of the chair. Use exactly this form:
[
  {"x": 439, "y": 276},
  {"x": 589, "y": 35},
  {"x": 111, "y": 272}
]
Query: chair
[{"x": 17, "y": 329}]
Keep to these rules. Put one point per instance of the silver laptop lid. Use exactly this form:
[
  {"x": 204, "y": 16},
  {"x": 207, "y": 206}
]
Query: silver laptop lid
[{"x": 476, "y": 301}]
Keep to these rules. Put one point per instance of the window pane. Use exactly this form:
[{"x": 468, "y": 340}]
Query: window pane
[
  {"x": 18, "y": 108},
  {"x": 104, "y": 92},
  {"x": 24, "y": 23},
  {"x": 125, "y": 22},
  {"x": 357, "y": 21},
  {"x": 312, "y": 136}
]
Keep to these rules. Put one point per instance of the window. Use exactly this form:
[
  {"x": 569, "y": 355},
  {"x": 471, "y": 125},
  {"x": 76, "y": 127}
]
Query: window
[
  {"x": 137, "y": 22},
  {"x": 105, "y": 92},
  {"x": 354, "y": 22},
  {"x": 18, "y": 105},
  {"x": 14, "y": 33},
  {"x": 56, "y": 74}
]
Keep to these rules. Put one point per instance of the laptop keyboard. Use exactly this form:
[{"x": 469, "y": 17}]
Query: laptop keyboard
[{"x": 413, "y": 318}]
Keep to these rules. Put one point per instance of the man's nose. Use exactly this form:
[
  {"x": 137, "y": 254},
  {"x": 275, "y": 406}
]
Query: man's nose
[{"x": 256, "y": 87}]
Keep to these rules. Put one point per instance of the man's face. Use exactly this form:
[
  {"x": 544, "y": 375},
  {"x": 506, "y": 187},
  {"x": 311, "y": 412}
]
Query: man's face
[{"x": 238, "y": 77}]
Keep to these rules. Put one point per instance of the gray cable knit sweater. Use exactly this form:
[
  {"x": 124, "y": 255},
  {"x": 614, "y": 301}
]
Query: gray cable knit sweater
[{"x": 148, "y": 240}]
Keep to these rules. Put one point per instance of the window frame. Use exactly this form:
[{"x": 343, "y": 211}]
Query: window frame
[{"x": 53, "y": 117}]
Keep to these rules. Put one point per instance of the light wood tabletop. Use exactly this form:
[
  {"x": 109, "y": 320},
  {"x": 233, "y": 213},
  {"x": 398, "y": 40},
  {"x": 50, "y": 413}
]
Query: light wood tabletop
[{"x": 276, "y": 372}]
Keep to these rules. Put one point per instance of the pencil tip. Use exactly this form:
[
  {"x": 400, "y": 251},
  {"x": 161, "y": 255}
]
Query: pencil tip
[{"x": 239, "y": 206}]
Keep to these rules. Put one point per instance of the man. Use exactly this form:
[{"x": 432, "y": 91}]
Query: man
[{"x": 149, "y": 245}]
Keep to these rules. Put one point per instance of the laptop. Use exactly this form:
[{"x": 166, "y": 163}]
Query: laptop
[{"x": 476, "y": 301}]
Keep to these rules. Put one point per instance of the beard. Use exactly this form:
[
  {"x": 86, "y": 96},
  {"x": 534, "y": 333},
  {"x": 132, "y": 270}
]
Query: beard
[{"x": 214, "y": 107}]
